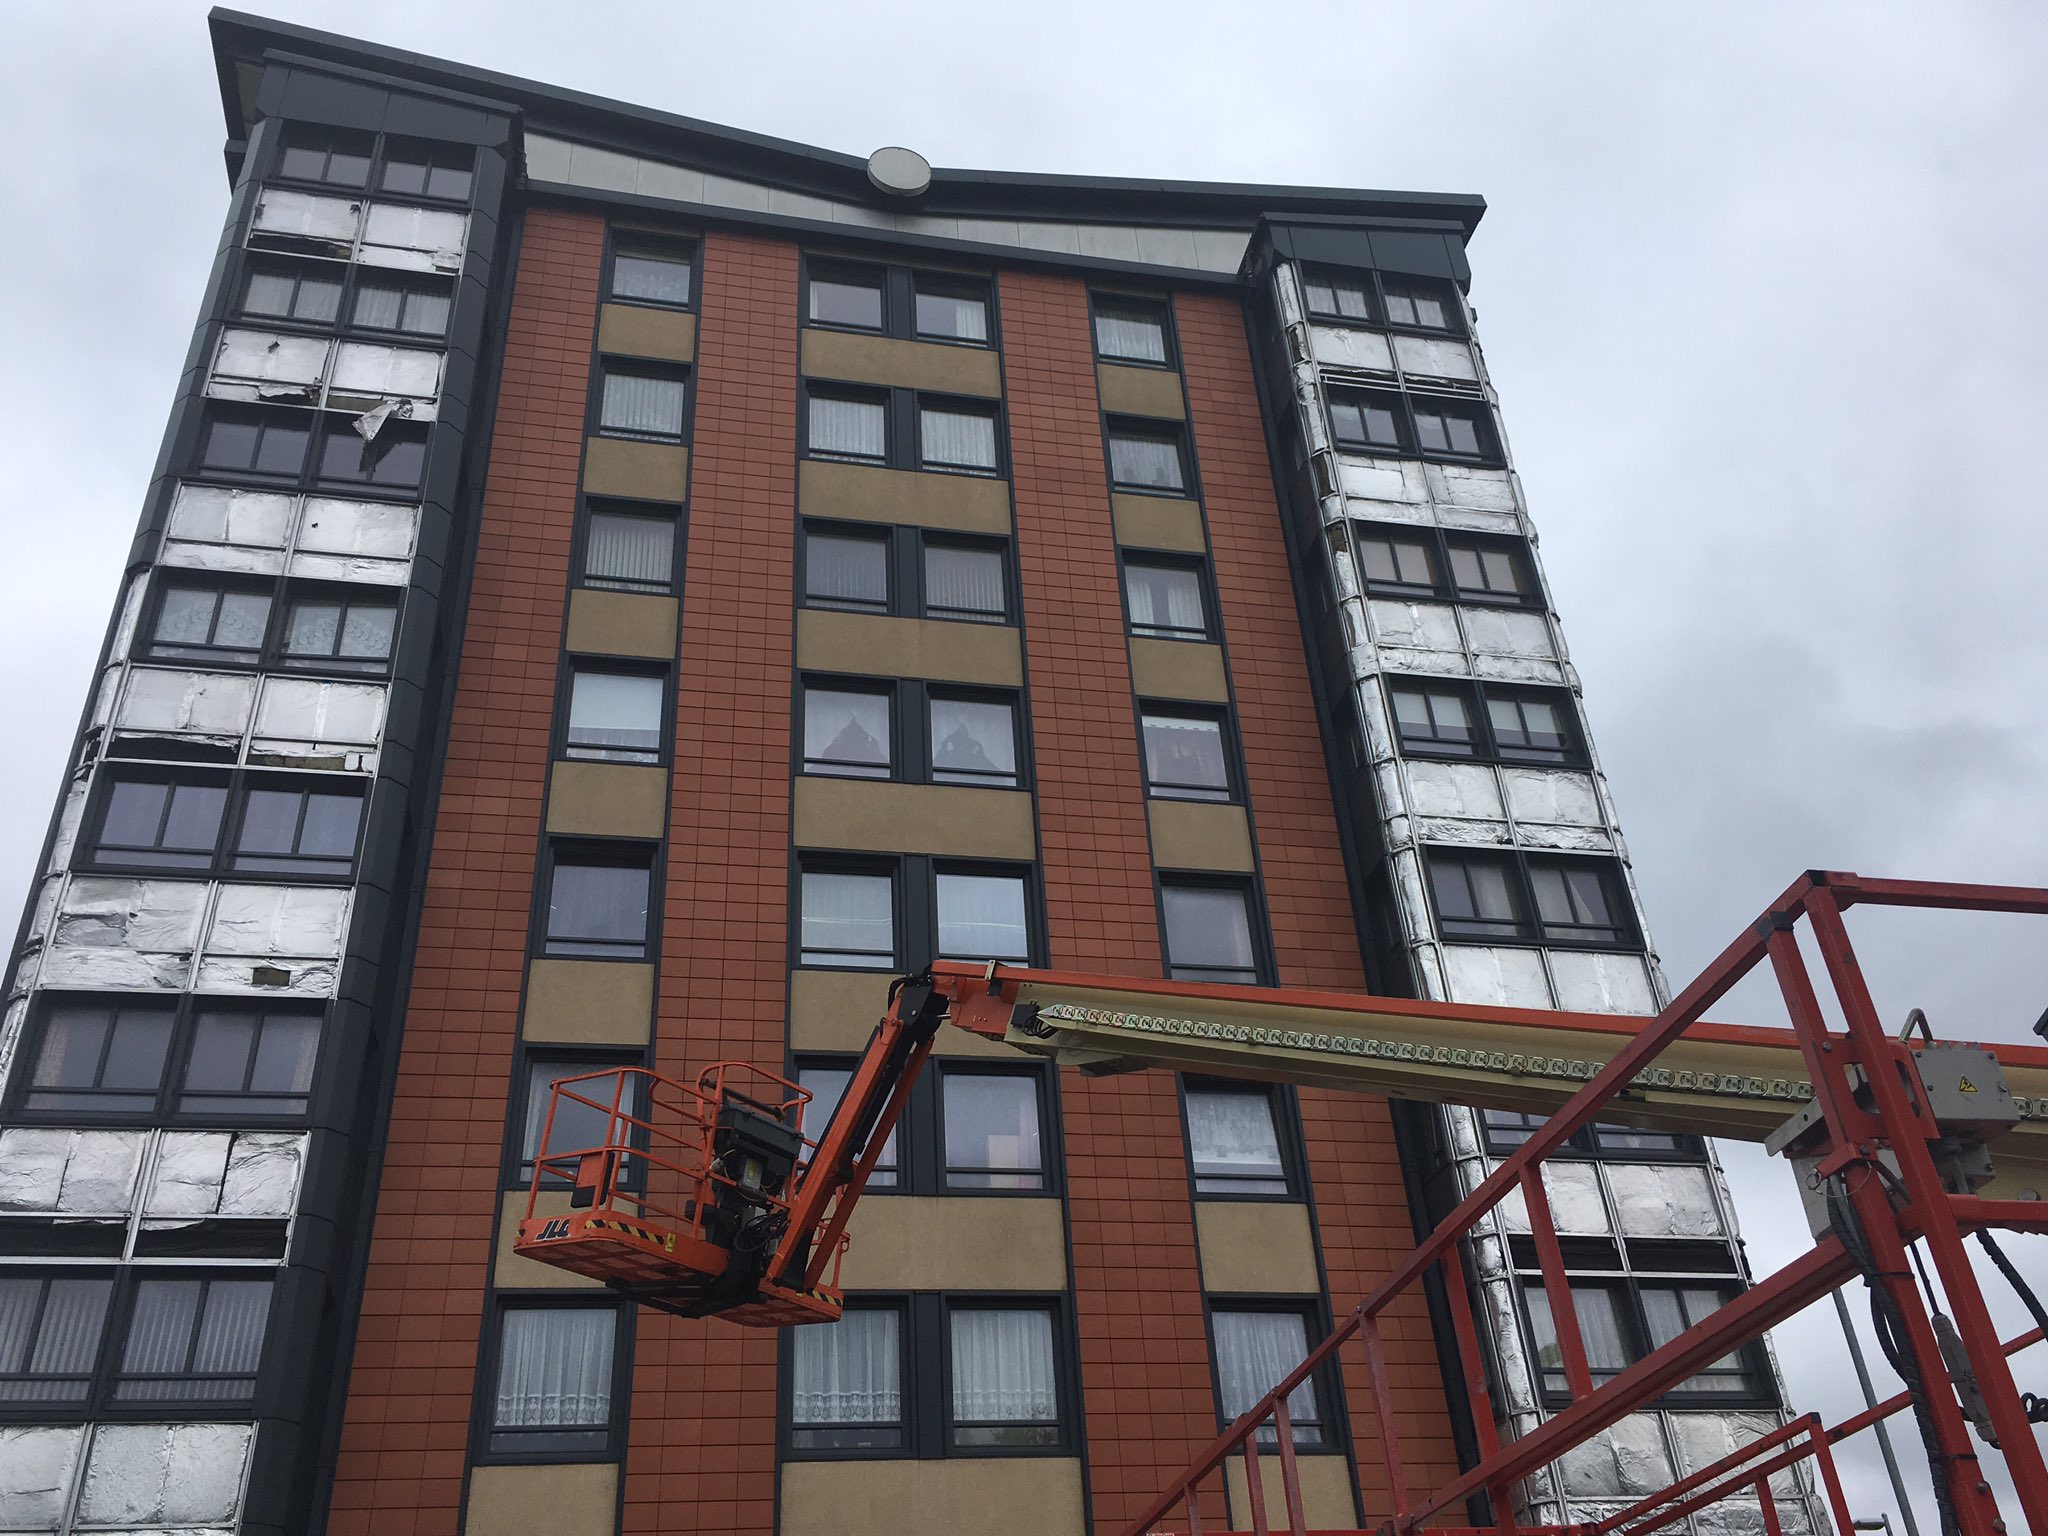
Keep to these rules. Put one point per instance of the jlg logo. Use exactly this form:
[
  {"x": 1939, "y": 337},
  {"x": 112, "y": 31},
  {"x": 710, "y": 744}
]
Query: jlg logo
[{"x": 557, "y": 1227}]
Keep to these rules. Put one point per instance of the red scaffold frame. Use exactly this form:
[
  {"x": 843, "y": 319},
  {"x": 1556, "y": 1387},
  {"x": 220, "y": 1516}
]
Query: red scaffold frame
[{"x": 1872, "y": 1101}]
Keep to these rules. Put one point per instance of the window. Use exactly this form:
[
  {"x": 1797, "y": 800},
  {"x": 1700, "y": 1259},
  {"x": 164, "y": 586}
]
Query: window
[
  {"x": 1624, "y": 1318},
  {"x": 193, "y": 1339},
  {"x": 1382, "y": 298},
  {"x": 330, "y": 155},
  {"x": 951, "y": 308},
  {"x": 846, "y": 1382},
  {"x": 1004, "y": 1383},
  {"x": 254, "y": 441},
  {"x": 628, "y": 548},
  {"x": 396, "y": 458},
  {"x": 1459, "y": 719},
  {"x": 1164, "y": 599},
  {"x": 552, "y": 1395},
  {"x": 1130, "y": 330},
  {"x": 1209, "y": 932},
  {"x": 576, "y": 1125},
  {"x": 848, "y": 918},
  {"x": 982, "y": 916},
  {"x": 1671, "y": 1308},
  {"x": 965, "y": 581},
  {"x": 615, "y": 716},
  {"x": 849, "y": 426},
  {"x": 1234, "y": 1139},
  {"x": 1147, "y": 458},
  {"x": 640, "y": 402},
  {"x": 846, "y": 570},
  {"x": 848, "y": 732},
  {"x": 1397, "y": 561},
  {"x": 414, "y": 306},
  {"x": 1391, "y": 423},
  {"x": 292, "y": 291},
  {"x": 992, "y": 1127},
  {"x": 160, "y": 824},
  {"x": 1576, "y": 903},
  {"x": 289, "y": 829},
  {"x": 597, "y": 903},
  {"x": 1256, "y": 1349},
  {"x": 51, "y": 1328},
  {"x": 973, "y": 740},
  {"x": 416, "y": 169},
  {"x": 956, "y": 437},
  {"x": 1601, "y": 1309},
  {"x": 1456, "y": 431},
  {"x": 1185, "y": 755},
  {"x": 649, "y": 272},
  {"x": 1420, "y": 303},
  {"x": 1367, "y": 421},
  {"x": 1343, "y": 296},
  {"x": 845, "y": 296},
  {"x": 338, "y": 631},
  {"x": 827, "y": 1086},
  {"x": 221, "y": 1059}
]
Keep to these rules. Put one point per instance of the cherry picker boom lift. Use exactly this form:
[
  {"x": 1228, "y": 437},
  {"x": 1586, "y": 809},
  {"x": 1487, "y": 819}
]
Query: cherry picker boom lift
[{"x": 705, "y": 1198}]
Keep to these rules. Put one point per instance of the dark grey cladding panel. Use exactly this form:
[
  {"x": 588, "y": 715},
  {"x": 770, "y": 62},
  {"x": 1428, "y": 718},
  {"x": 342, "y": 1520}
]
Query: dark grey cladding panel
[
  {"x": 307, "y": 91},
  {"x": 1420, "y": 250}
]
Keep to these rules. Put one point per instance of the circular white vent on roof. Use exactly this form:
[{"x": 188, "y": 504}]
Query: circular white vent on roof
[{"x": 898, "y": 171}]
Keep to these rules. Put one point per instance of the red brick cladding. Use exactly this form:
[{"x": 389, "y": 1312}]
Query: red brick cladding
[
  {"x": 406, "y": 1425},
  {"x": 1361, "y": 1207},
  {"x": 702, "y": 1439},
  {"x": 1138, "y": 1302}
]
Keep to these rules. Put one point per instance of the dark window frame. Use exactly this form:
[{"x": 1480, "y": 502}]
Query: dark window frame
[
  {"x": 1439, "y": 544},
  {"x": 309, "y": 474},
  {"x": 914, "y": 886},
  {"x": 516, "y": 1170},
  {"x": 1591, "y": 1143},
  {"x": 1156, "y": 430},
  {"x": 1331, "y": 1423},
  {"x": 902, "y": 427},
  {"x": 1485, "y": 747},
  {"x": 625, "y": 366},
  {"x": 238, "y": 783},
  {"x": 584, "y": 851},
  {"x": 1232, "y": 791},
  {"x": 1195, "y": 565},
  {"x": 1100, "y": 300},
  {"x": 349, "y": 279},
  {"x": 1531, "y": 931},
  {"x": 910, "y": 742},
  {"x": 1405, "y": 407},
  {"x": 379, "y": 161},
  {"x": 904, "y": 546},
  {"x": 1284, "y": 1106},
  {"x": 610, "y": 1438},
  {"x": 672, "y": 513},
  {"x": 564, "y": 750},
  {"x": 1256, "y": 922},
  {"x": 925, "y": 1377},
  {"x": 282, "y": 593},
  {"x": 898, "y": 288},
  {"x": 654, "y": 246},
  {"x": 1374, "y": 284}
]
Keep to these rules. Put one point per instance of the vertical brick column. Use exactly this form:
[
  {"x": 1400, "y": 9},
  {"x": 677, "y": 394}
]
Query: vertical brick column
[
  {"x": 406, "y": 1425},
  {"x": 1361, "y": 1207},
  {"x": 702, "y": 1437},
  {"x": 1138, "y": 1290}
]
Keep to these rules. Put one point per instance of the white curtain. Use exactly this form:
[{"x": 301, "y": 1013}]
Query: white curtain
[
  {"x": 963, "y": 580},
  {"x": 1185, "y": 754},
  {"x": 555, "y": 1367},
  {"x": 1232, "y": 1135},
  {"x": 1149, "y": 461},
  {"x": 1139, "y": 337},
  {"x": 1254, "y": 1350},
  {"x": 848, "y": 1372},
  {"x": 965, "y": 439},
  {"x": 617, "y": 711},
  {"x": 959, "y": 317},
  {"x": 846, "y": 732},
  {"x": 192, "y": 1330},
  {"x": 973, "y": 742},
  {"x": 981, "y": 917},
  {"x": 65, "y": 1344},
  {"x": 1599, "y": 1312},
  {"x": 635, "y": 550},
  {"x": 643, "y": 403},
  {"x": 846, "y": 570},
  {"x": 378, "y": 305},
  {"x": 1165, "y": 598},
  {"x": 1002, "y": 1367},
  {"x": 848, "y": 919},
  {"x": 852, "y": 427}
]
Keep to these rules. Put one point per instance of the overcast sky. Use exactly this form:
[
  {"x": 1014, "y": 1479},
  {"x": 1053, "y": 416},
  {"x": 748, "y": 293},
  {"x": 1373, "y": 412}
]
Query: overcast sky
[{"x": 1761, "y": 287}]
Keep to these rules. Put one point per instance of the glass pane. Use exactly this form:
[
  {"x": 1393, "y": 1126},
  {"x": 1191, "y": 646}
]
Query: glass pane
[
  {"x": 642, "y": 403},
  {"x": 269, "y": 293},
  {"x": 100, "y": 1057},
  {"x": 555, "y": 1367},
  {"x": 285, "y": 1049},
  {"x": 848, "y": 428},
  {"x": 637, "y": 553},
  {"x": 598, "y": 909},
  {"x": 614, "y": 715},
  {"x": 839, "y": 569},
  {"x": 1185, "y": 757},
  {"x": 846, "y": 1380},
  {"x": 230, "y": 444},
  {"x": 329, "y": 828},
  {"x": 367, "y": 631},
  {"x": 956, "y": 439},
  {"x": 449, "y": 181},
  {"x": 223, "y": 1044},
  {"x": 1255, "y": 1351},
  {"x": 1430, "y": 431},
  {"x": 827, "y": 1086},
  {"x": 652, "y": 278},
  {"x": 846, "y": 732},
  {"x": 577, "y": 1125},
  {"x": 270, "y": 821},
  {"x": 242, "y": 619},
  {"x": 134, "y": 814},
  {"x": 847, "y": 300},
  {"x": 1234, "y": 1143},
  {"x": 379, "y": 305},
  {"x": 1208, "y": 933},
  {"x": 981, "y": 917},
  {"x": 1164, "y": 599},
  {"x": 848, "y": 919},
  {"x": 973, "y": 742},
  {"x": 1152, "y": 462},
  {"x": 991, "y": 1131},
  {"x": 954, "y": 312},
  {"x": 1130, "y": 332},
  {"x": 426, "y": 313},
  {"x": 312, "y": 628},
  {"x": 1003, "y": 1376},
  {"x": 963, "y": 582}
]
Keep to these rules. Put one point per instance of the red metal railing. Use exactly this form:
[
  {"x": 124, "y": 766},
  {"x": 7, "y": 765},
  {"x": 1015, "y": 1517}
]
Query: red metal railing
[{"x": 1892, "y": 1210}]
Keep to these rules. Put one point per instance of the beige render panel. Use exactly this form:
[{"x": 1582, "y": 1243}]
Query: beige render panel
[
  {"x": 837, "y": 1010},
  {"x": 588, "y": 1002},
  {"x": 558, "y": 1499},
  {"x": 1256, "y": 1248},
  {"x": 1017, "y": 1495},
  {"x": 511, "y": 1272},
  {"x": 1326, "y": 1498},
  {"x": 620, "y": 466},
  {"x": 1187, "y": 834},
  {"x": 622, "y": 624},
  {"x": 1140, "y": 391},
  {"x": 944, "y": 651},
  {"x": 914, "y": 818},
  {"x": 906, "y": 364},
  {"x": 867, "y": 493},
  {"x": 607, "y": 800},
  {"x": 1179, "y": 669},
  {"x": 1158, "y": 522},
  {"x": 956, "y": 1242},
  {"x": 633, "y": 330}
]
